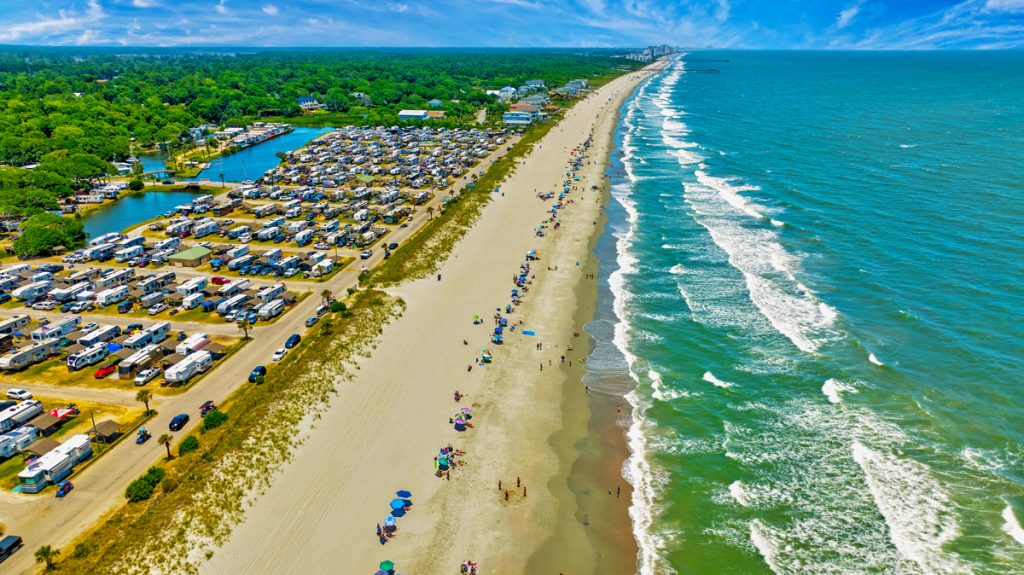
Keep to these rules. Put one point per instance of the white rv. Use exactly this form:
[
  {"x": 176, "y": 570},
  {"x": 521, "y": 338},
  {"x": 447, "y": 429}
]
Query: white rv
[
  {"x": 192, "y": 344},
  {"x": 54, "y": 466},
  {"x": 112, "y": 296},
  {"x": 57, "y": 329},
  {"x": 101, "y": 334},
  {"x": 28, "y": 355},
  {"x": 13, "y": 324},
  {"x": 185, "y": 369},
  {"x": 91, "y": 355},
  {"x": 31, "y": 291},
  {"x": 16, "y": 415},
  {"x": 271, "y": 309}
]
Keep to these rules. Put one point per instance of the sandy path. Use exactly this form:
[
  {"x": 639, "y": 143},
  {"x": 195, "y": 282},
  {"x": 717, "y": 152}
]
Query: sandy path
[{"x": 386, "y": 425}]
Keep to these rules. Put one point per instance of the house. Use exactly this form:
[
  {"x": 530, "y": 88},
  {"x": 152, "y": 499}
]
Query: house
[
  {"x": 412, "y": 115},
  {"x": 435, "y": 114},
  {"x": 506, "y": 93},
  {"x": 193, "y": 257},
  {"x": 577, "y": 84},
  {"x": 524, "y": 107},
  {"x": 435, "y": 103},
  {"x": 309, "y": 103},
  {"x": 517, "y": 118},
  {"x": 362, "y": 98},
  {"x": 535, "y": 84}
]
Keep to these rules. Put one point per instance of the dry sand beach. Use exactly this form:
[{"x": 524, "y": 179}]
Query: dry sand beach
[{"x": 386, "y": 425}]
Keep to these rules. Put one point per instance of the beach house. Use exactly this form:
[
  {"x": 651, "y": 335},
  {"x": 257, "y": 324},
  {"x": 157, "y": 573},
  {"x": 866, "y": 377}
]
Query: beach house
[
  {"x": 412, "y": 115},
  {"x": 517, "y": 118},
  {"x": 309, "y": 103},
  {"x": 435, "y": 103}
]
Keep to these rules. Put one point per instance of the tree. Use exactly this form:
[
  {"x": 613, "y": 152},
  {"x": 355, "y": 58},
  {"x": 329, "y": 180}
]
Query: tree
[
  {"x": 327, "y": 296},
  {"x": 136, "y": 185},
  {"x": 214, "y": 419},
  {"x": 166, "y": 440},
  {"x": 48, "y": 555},
  {"x": 243, "y": 326},
  {"x": 144, "y": 395},
  {"x": 188, "y": 445},
  {"x": 430, "y": 212},
  {"x": 43, "y": 232},
  {"x": 221, "y": 175}
]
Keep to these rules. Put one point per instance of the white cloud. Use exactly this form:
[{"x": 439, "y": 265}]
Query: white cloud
[
  {"x": 144, "y": 3},
  {"x": 400, "y": 8},
  {"x": 221, "y": 7},
  {"x": 522, "y": 3},
  {"x": 1005, "y": 5},
  {"x": 62, "y": 22},
  {"x": 270, "y": 9},
  {"x": 722, "y": 12},
  {"x": 846, "y": 17}
]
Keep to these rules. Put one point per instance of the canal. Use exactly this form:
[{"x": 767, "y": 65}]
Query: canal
[{"x": 252, "y": 162}]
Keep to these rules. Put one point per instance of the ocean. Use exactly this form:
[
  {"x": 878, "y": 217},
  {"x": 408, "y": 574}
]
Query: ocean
[{"x": 811, "y": 294}]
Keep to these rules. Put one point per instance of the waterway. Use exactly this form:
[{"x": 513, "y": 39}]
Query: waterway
[
  {"x": 252, "y": 162},
  {"x": 133, "y": 208}
]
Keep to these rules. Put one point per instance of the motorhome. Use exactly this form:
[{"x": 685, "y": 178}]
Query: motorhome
[
  {"x": 100, "y": 252},
  {"x": 55, "y": 465},
  {"x": 58, "y": 329},
  {"x": 231, "y": 304},
  {"x": 101, "y": 334},
  {"x": 192, "y": 301},
  {"x": 16, "y": 415},
  {"x": 68, "y": 293},
  {"x": 192, "y": 344},
  {"x": 185, "y": 369},
  {"x": 139, "y": 360},
  {"x": 14, "y": 323},
  {"x": 168, "y": 244},
  {"x": 31, "y": 291},
  {"x": 270, "y": 292},
  {"x": 30, "y": 354},
  {"x": 234, "y": 288},
  {"x": 194, "y": 285},
  {"x": 112, "y": 296},
  {"x": 89, "y": 356},
  {"x": 271, "y": 309},
  {"x": 125, "y": 254},
  {"x": 14, "y": 442}
]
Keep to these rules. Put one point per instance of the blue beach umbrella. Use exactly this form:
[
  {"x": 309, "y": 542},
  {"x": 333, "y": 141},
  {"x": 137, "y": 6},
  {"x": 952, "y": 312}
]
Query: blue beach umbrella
[
  {"x": 398, "y": 504},
  {"x": 404, "y": 494}
]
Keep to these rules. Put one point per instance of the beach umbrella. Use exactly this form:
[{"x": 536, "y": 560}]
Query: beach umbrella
[
  {"x": 466, "y": 410},
  {"x": 403, "y": 493},
  {"x": 387, "y": 565},
  {"x": 397, "y": 504},
  {"x": 389, "y": 521}
]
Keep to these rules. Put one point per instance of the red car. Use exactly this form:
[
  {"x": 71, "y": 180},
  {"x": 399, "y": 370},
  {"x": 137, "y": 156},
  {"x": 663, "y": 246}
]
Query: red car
[
  {"x": 219, "y": 281},
  {"x": 206, "y": 407},
  {"x": 104, "y": 371}
]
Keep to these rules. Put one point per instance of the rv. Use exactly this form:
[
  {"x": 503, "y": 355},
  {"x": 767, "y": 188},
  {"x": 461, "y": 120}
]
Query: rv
[
  {"x": 54, "y": 466},
  {"x": 41, "y": 277},
  {"x": 192, "y": 344},
  {"x": 31, "y": 291},
  {"x": 138, "y": 360},
  {"x": 271, "y": 309},
  {"x": 115, "y": 278},
  {"x": 28, "y": 355},
  {"x": 14, "y": 416},
  {"x": 152, "y": 334},
  {"x": 296, "y": 227},
  {"x": 241, "y": 262},
  {"x": 194, "y": 285},
  {"x": 70, "y": 293},
  {"x": 13, "y": 324},
  {"x": 112, "y": 296},
  {"x": 304, "y": 237},
  {"x": 232, "y": 303},
  {"x": 100, "y": 252},
  {"x": 151, "y": 299},
  {"x": 237, "y": 252},
  {"x": 234, "y": 288},
  {"x": 276, "y": 222},
  {"x": 239, "y": 231},
  {"x": 183, "y": 371},
  {"x": 268, "y": 234},
  {"x": 205, "y": 227},
  {"x": 152, "y": 284},
  {"x": 273, "y": 254},
  {"x": 15, "y": 270},
  {"x": 264, "y": 210},
  {"x": 270, "y": 292},
  {"x": 179, "y": 229},
  {"x": 125, "y": 254},
  {"x": 89, "y": 356},
  {"x": 58, "y": 329},
  {"x": 84, "y": 276},
  {"x": 168, "y": 244},
  {"x": 101, "y": 334},
  {"x": 106, "y": 239},
  {"x": 323, "y": 267},
  {"x": 192, "y": 301},
  {"x": 14, "y": 442},
  {"x": 7, "y": 283}
]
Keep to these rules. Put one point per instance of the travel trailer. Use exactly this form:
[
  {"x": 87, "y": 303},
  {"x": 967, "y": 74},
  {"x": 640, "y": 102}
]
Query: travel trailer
[
  {"x": 185, "y": 369},
  {"x": 91, "y": 355},
  {"x": 54, "y": 466},
  {"x": 29, "y": 355}
]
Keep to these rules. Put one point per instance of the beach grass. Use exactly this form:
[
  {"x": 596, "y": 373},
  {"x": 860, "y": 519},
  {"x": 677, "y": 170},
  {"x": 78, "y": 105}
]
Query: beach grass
[{"x": 204, "y": 492}]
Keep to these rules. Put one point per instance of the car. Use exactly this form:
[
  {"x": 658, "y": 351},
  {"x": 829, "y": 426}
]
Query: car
[
  {"x": 66, "y": 307},
  {"x": 293, "y": 340},
  {"x": 167, "y": 182},
  {"x": 52, "y": 268},
  {"x": 219, "y": 280},
  {"x": 321, "y": 310},
  {"x": 5, "y": 297},
  {"x": 124, "y": 307},
  {"x": 45, "y": 305},
  {"x": 404, "y": 225},
  {"x": 157, "y": 309},
  {"x": 230, "y": 316},
  {"x": 207, "y": 407},
  {"x": 365, "y": 254},
  {"x": 88, "y": 327},
  {"x": 279, "y": 354},
  {"x": 146, "y": 375},
  {"x": 105, "y": 371},
  {"x": 133, "y": 327},
  {"x": 178, "y": 421},
  {"x": 321, "y": 246},
  {"x": 291, "y": 272},
  {"x": 311, "y": 321},
  {"x": 258, "y": 371},
  {"x": 8, "y": 545},
  {"x": 18, "y": 393},
  {"x": 392, "y": 245}
]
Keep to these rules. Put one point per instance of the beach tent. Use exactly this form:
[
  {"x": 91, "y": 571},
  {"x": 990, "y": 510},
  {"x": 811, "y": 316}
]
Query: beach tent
[
  {"x": 387, "y": 565},
  {"x": 389, "y": 521}
]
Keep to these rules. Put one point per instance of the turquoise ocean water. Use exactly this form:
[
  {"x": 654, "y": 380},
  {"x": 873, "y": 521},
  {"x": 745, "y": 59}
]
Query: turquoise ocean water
[{"x": 813, "y": 277}]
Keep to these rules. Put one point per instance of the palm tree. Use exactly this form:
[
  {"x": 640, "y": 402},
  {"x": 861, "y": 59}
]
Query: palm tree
[
  {"x": 166, "y": 440},
  {"x": 144, "y": 395},
  {"x": 243, "y": 326},
  {"x": 221, "y": 179},
  {"x": 327, "y": 296},
  {"x": 430, "y": 212},
  {"x": 47, "y": 554}
]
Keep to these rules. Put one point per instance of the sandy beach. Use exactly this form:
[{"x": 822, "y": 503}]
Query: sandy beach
[{"x": 530, "y": 410}]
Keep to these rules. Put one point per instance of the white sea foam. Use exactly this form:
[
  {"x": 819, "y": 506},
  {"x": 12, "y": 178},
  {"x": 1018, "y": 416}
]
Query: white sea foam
[
  {"x": 1012, "y": 525},
  {"x": 916, "y": 509},
  {"x": 662, "y": 392},
  {"x": 710, "y": 378},
  {"x": 761, "y": 540},
  {"x": 874, "y": 359},
  {"x": 778, "y": 223},
  {"x": 677, "y": 269},
  {"x": 731, "y": 193},
  {"x": 905, "y": 146},
  {"x": 834, "y": 390}
]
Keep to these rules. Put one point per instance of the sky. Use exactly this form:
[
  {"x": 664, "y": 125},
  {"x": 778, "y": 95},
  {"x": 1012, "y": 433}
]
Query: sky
[{"x": 786, "y": 24}]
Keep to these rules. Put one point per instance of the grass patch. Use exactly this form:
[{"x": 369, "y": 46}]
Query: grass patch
[{"x": 210, "y": 486}]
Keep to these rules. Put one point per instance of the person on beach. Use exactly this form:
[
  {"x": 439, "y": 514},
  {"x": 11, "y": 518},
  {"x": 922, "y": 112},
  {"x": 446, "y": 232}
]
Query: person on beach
[
  {"x": 517, "y": 481},
  {"x": 499, "y": 485},
  {"x": 618, "y": 491}
]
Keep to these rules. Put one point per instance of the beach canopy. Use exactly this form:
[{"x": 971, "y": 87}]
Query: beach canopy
[
  {"x": 389, "y": 521},
  {"x": 387, "y": 565},
  {"x": 397, "y": 504},
  {"x": 403, "y": 493}
]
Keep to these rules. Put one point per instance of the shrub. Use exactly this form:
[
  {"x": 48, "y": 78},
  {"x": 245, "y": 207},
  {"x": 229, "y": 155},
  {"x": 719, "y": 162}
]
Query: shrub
[
  {"x": 155, "y": 475},
  {"x": 214, "y": 419},
  {"x": 136, "y": 185},
  {"x": 81, "y": 551},
  {"x": 338, "y": 306},
  {"x": 138, "y": 490},
  {"x": 188, "y": 445}
]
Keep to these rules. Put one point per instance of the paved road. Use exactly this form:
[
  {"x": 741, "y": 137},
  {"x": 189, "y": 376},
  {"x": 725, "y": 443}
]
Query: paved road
[{"x": 45, "y": 520}]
